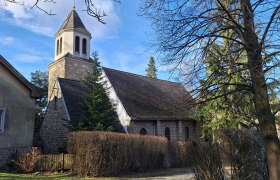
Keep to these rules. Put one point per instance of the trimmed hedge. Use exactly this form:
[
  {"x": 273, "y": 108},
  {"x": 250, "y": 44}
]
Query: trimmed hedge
[
  {"x": 107, "y": 153},
  {"x": 179, "y": 155}
]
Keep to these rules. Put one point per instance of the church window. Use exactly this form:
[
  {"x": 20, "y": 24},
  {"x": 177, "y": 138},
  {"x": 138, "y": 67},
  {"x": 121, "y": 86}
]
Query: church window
[
  {"x": 77, "y": 44},
  {"x": 57, "y": 47},
  {"x": 60, "y": 47},
  {"x": 55, "y": 103},
  {"x": 143, "y": 131},
  {"x": 167, "y": 133},
  {"x": 84, "y": 46},
  {"x": 2, "y": 119},
  {"x": 186, "y": 133}
]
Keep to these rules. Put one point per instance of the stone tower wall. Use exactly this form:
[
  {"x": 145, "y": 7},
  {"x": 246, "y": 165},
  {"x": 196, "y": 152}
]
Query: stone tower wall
[{"x": 69, "y": 68}]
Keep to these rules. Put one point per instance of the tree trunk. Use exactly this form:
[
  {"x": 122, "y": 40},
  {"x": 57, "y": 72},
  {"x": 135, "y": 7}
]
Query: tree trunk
[{"x": 261, "y": 100}]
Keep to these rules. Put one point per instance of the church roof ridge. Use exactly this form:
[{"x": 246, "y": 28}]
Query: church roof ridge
[
  {"x": 73, "y": 21},
  {"x": 143, "y": 76}
]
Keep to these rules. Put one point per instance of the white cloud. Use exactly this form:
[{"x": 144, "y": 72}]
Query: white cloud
[
  {"x": 7, "y": 40},
  {"x": 39, "y": 22},
  {"x": 30, "y": 58}
]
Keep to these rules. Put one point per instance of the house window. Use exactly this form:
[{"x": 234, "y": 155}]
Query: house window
[
  {"x": 84, "y": 46},
  {"x": 2, "y": 119},
  {"x": 77, "y": 44},
  {"x": 186, "y": 133},
  {"x": 167, "y": 133},
  {"x": 60, "y": 47},
  {"x": 57, "y": 47},
  {"x": 55, "y": 103},
  {"x": 143, "y": 131}
]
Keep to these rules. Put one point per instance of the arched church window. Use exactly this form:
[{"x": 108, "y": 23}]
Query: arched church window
[
  {"x": 77, "y": 44},
  {"x": 57, "y": 47},
  {"x": 143, "y": 131},
  {"x": 186, "y": 133},
  {"x": 60, "y": 46},
  {"x": 167, "y": 133},
  {"x": 84, "y": 46}
]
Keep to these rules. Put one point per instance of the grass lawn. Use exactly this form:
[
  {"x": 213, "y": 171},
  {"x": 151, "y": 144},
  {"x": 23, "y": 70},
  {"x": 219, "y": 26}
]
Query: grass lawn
[{"x": 62, "y": 176}]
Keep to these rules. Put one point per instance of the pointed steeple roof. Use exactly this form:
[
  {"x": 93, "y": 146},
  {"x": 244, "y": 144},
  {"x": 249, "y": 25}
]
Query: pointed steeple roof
[{"x": 73, "y": 21}]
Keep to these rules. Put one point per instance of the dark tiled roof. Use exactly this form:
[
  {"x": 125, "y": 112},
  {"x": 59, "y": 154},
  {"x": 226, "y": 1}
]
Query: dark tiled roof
[
  {"x": 73, "y": 21},
  {"x": 143, "y": 98},
  {"x": 34, "y": 92},
  {"x": 74, "y": 93},
  {"x": 147, "y": 98}
]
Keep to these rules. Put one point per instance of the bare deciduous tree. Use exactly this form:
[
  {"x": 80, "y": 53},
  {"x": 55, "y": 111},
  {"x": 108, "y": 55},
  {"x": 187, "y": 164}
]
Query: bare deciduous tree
[
  {"x": 91, "y": 9},
  {"x": 185, "y": 32}
]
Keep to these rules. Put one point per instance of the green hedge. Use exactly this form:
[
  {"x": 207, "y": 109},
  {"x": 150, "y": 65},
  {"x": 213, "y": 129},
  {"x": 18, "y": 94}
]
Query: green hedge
[{"x": 107, "y": 153}]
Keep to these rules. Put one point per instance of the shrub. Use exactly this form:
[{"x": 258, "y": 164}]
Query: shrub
[
  {"x": 107, "y": 153},
  {"x": 244, "y": 150},
  {"x": 26, "y": 161},
  {"x": 179, "y": 154},
  {"x": 206, "y": 161}
]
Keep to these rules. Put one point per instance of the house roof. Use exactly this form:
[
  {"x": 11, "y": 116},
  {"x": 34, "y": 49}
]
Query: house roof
[
  {"x": 143, "y": 98},
  {"x": 148, "y": 98},
  {"x": 73, "y": 21},
  {"x": 34, "y": 92}
]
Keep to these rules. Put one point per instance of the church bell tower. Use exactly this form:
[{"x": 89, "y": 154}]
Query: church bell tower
[{"x": 72, "y": 52}]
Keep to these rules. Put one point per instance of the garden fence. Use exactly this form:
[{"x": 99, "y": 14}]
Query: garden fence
[{"x": 55, "y": 162}]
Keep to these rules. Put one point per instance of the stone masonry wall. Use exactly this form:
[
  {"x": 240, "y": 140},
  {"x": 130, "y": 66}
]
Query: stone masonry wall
[
  {"x": 56, "y": 69},
  {"x": 177, "y": 128},
  {"x": 77, "y": 69},
  {"x": 69, "y": 68},
  {"x": 54, "y": 131},
  {"x": 54, "y": 128}
]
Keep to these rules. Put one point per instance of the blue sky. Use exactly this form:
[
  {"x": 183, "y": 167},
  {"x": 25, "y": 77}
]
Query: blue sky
[{"x": 27, "y": 36}]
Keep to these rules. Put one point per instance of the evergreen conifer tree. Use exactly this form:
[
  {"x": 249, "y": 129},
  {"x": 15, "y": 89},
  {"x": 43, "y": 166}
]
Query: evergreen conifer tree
[
  {"x": 151, "y": 70},
  {"x": 99, "y": 111}
]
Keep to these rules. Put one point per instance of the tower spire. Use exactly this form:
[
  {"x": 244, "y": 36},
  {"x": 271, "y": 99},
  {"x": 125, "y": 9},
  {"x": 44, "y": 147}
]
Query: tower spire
[{"x": 74, "y": 4}]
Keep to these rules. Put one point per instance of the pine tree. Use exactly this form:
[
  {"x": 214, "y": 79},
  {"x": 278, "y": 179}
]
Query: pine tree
[
  {"x": 40, "y": 80},
  {"x": 151, "y": 70},
  {"x": 99, "y": 111}
]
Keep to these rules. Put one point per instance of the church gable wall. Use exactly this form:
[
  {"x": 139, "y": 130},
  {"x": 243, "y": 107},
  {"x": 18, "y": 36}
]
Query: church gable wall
[{"x": 54, "y": 128}]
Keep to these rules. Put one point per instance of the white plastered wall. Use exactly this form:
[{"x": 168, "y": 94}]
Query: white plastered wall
[
  {"x": 68, "y": 43},
  {"x": 121, "y": 112}
]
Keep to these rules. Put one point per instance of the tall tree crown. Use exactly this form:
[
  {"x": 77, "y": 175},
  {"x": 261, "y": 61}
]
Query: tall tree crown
[{"x": 151, "y": 70}]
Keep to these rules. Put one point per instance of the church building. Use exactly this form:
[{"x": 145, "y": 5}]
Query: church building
[{"x": 144, "y": 105}]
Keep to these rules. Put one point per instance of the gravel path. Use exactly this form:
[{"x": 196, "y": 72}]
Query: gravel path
[{"x": 167, "y": 174}]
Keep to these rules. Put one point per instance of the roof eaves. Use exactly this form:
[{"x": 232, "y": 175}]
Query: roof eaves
[{"x": 34, "y": 92}]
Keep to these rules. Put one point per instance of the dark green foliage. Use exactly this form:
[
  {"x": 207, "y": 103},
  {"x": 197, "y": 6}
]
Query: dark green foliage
[
  {"x": 40, "y": 80},
  {"x": 227, "y": 88},
  {"x": 151, "y": 70},
  {"x": 99, "y": 111}
]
